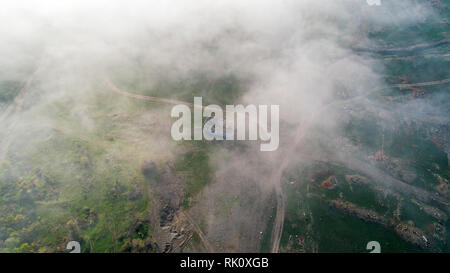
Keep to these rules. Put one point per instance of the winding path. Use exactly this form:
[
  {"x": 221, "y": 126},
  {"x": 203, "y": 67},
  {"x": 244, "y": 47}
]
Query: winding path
[{"x": 405, "y": 50}]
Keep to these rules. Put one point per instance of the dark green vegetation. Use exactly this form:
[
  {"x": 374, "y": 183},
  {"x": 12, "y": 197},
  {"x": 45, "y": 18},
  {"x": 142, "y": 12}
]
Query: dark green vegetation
[
  {"x": 195, "y": 167},
  {"x": 404, "y": 133},
  {"x": 310, "y": 219}
]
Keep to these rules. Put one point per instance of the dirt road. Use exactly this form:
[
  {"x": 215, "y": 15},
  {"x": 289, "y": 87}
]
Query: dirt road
[
  {"x": 148, "y": 98},
  {"x": 279, "y": 219},
  {"x": 276, "y": 178}
]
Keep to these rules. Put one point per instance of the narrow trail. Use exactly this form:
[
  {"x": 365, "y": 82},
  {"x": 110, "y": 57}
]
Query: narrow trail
[
  {"x": 389, "y": 58},
  {"x": 11, "y": 110},
  {"x": 199, "y": 232},
  {"x": 148, "y": 98},
  {"x": 279, "y": 217},
  {"x": 408, "y": 85},
  {"x": 404, "y": 50}
]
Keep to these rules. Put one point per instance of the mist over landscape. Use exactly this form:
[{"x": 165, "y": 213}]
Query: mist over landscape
[{"x": 86, "y": 152}]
